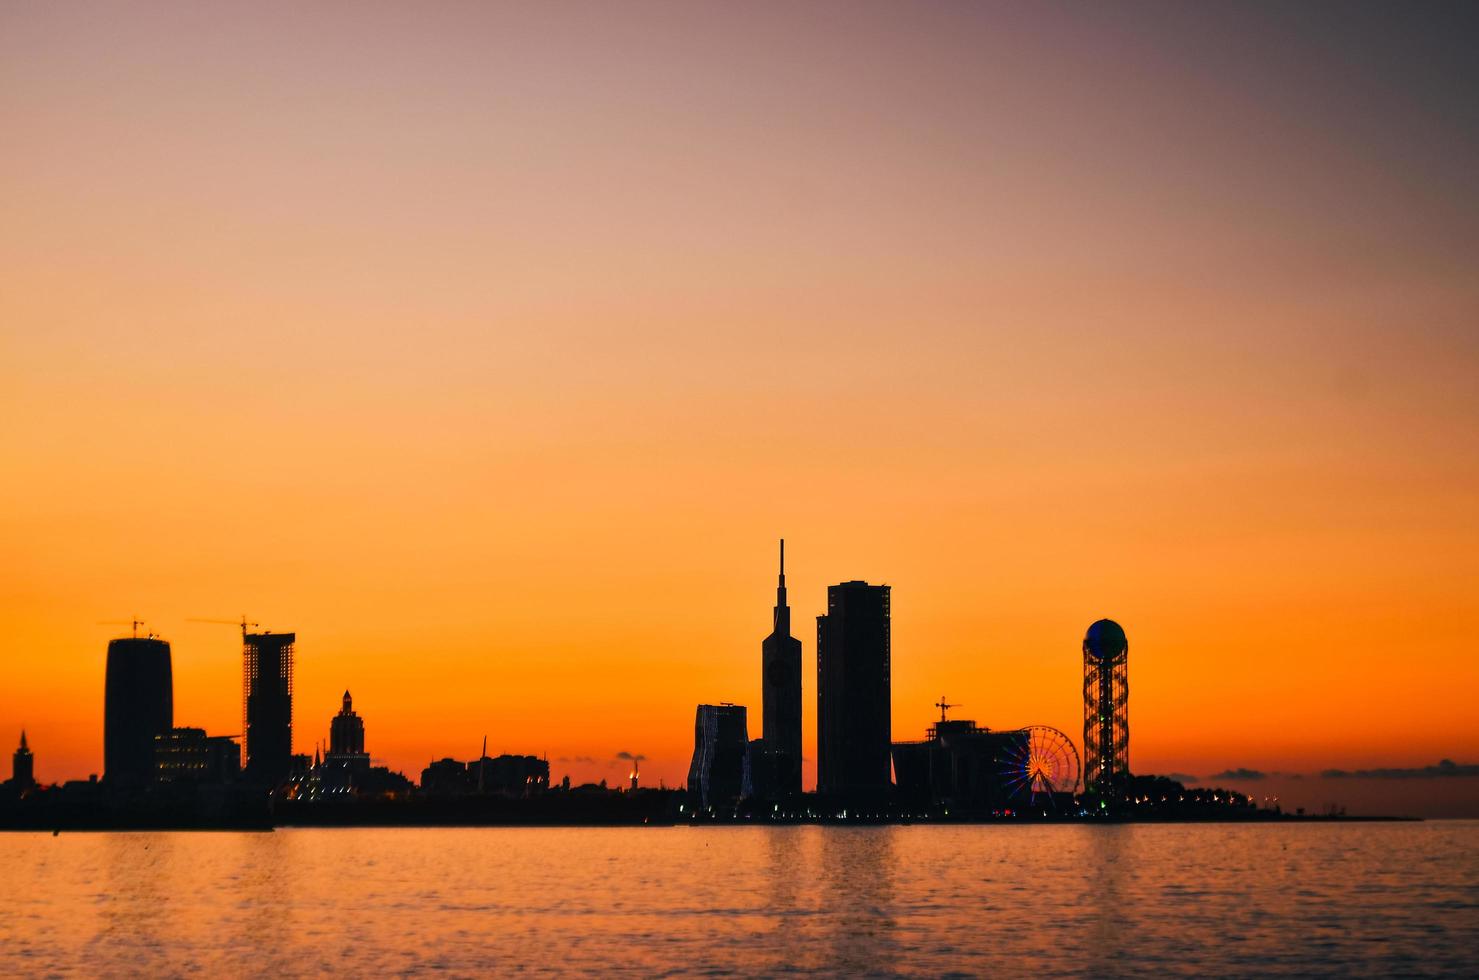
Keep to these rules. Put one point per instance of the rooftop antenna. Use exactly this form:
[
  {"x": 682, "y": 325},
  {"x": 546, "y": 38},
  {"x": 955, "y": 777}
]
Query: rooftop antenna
[
  {"x": 944, "y": 706},
  {"x": 136, "y": 622}
]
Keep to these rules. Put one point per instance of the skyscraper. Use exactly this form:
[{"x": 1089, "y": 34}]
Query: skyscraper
[
  {"x": 267, "y": 705},
  {"x": 1106, "y": 710},
  {"x": 138, "y": 704},
  {"x": 719, "y": 774},
  {"x": 780, "y": 655},
  {"x": 22, "y": 766},
  {"x": 853, "y": 693}
]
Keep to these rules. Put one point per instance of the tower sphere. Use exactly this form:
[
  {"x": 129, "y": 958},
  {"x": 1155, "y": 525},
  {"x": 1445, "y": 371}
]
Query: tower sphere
[{"x": 1105, "y": 640}]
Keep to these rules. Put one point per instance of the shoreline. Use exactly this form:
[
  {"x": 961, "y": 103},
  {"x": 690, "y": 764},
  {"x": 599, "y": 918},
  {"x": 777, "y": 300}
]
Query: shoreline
[{"x": 411, "y": 823}]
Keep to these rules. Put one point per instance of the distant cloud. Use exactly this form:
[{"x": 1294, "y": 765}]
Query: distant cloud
[
  {"x": 635, "y": 757},
  {"x": 1446, "y": 768},
  {"x": 1240, "y": 774},
  {"x": 1182, "y": 777}
]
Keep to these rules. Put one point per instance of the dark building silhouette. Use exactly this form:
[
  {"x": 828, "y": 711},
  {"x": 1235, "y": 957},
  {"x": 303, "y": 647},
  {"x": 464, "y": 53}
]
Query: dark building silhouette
[
  {"x": 959, "y": 764},
  {"x": 776, "y": 756},
  {"x": 1106, "y": 711},
  {"x": 445, "y": 777},
  {"x": 510, "y": 775},
  {"x": 347, "y": 739},
  {"x": 189, "y": 755},
  {"x": 719, "y": 774},
  {"x": 853, "y": 693},
  {"x": 515, "y": 776},
  {"x": 139, "y": 704},
  {"x": 267, "y": 705},
  {"x": 22, "y": 766}
]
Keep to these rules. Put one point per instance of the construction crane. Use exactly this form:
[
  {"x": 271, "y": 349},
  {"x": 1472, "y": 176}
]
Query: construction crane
[
  {"x": 243, "y": 623},
  {"x": 944, "y": 706},
  {"x": 135, "y": 623}
]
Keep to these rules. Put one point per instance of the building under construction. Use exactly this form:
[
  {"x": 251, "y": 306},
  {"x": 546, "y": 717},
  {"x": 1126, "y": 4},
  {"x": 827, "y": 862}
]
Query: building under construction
[
  {"x": 1106, "y": 712},
  {"x": 267, "y": 705}
]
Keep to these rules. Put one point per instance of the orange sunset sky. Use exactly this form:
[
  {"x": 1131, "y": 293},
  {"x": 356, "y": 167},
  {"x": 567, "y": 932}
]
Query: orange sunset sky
[{"x": 490, "y": 348}]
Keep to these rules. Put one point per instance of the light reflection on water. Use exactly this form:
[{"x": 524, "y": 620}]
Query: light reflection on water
[{"x": 1372, "y": 899}]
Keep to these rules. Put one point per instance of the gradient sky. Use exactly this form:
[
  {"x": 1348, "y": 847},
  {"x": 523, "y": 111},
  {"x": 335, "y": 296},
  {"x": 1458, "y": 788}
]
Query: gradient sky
[{"x": 490, "y": 348}]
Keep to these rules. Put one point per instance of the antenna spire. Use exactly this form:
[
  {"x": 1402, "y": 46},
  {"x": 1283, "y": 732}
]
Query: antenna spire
[
  {"x": 781, "y": 621},
  {"x": 481, "y": 764}
]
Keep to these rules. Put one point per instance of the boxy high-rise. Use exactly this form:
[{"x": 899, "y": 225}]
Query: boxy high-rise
[{"x": 854, "y": 728}]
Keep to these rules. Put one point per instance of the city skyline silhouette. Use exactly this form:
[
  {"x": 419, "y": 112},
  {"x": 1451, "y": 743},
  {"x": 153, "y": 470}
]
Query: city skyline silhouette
[
  {"x": 443, "y": 354},
  {"x": 1373, "y": 789},
  {"x": 685, "y": 488}
]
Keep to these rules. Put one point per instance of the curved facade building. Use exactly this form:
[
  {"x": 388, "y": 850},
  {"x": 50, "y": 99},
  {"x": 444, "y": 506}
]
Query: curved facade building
[
  {"x": 139, "y": 703},
  {"x": 719, "y": 774}
]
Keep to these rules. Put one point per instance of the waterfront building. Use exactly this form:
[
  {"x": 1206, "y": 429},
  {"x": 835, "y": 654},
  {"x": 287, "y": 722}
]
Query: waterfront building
[
  {"x": 853, "y": 693},
  {"x": 516, "y": 776},
  {"x": 776, "y": 756},
  {"x": 445, "y": 777},
  {"x": 962, "y": 765},
  {"x": 719, "y": 774},
  {"x": 510, "y": 775},
  {"x": 190, "y": 755},
  {"x": 267, "y": 705},
  {"x": 1106, "y": 712},
  {"x": 138, "y": 705}
]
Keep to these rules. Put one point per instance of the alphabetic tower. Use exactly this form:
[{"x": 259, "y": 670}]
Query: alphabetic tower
[{"x": 1106, "y": 713}]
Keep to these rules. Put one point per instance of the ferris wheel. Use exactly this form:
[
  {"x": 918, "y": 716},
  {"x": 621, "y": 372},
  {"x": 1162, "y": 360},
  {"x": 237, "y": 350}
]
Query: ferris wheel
[{"x": 1044, "y": 764}]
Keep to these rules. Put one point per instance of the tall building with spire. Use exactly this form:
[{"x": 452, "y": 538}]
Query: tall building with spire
[
  {"x": 347, "y": 738},
  {"x": 22, "y": 766},
  {"x": 345, "y": 766},
  {"x": 779, "y": 766}
]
